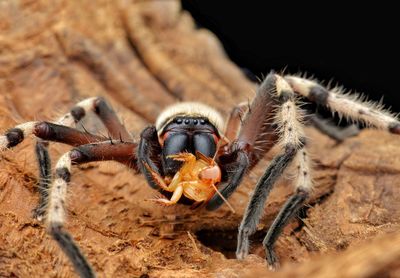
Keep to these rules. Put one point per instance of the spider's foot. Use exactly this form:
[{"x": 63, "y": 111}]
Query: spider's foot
[
  {"x": 38, "y": 213},
  {"x": 272, "y": 260},
  {"x": 242, "y": 249}
]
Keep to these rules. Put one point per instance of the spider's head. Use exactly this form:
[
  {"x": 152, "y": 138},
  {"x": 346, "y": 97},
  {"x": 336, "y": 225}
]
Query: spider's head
[{"x": 187, "y": 127}]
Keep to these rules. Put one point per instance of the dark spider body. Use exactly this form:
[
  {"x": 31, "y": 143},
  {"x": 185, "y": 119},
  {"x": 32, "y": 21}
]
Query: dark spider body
[
  {"x": 187, "y": 134},
  {"x": 227, "y": 151}
]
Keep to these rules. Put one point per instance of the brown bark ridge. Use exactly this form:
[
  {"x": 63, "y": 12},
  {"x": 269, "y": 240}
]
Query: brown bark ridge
[{"x": 142, "y": 56}]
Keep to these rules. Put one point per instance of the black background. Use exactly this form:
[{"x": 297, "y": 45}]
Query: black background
[{"x": 352, "y": 45}]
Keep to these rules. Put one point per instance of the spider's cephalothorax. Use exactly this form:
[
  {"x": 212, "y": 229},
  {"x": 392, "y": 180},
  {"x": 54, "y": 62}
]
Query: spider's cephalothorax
[
  {"x": 190, "y": 151},
  {"x": 187, "y": 127},
  {"x": 188, "y": 136}
]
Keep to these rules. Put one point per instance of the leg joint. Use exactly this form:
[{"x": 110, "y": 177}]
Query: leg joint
[
  {"x": 14, "y": 137},
  {"x": 99, "y": 105},
  {"x": 64, "y": 174},
  {"x": 394, "y": 128},
  {"x": 319, "y": 95},
  {"x": 78, "y": 113},
  {"x": 302, "y": 194},
  {"x": 44, "y": 131}
]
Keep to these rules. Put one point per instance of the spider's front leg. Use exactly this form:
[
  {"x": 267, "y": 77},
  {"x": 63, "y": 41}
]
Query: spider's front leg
[
  {"x": 107, "y": 116},
  {"x": 123, "y": 152},
  {"x": 257, "y": 134}
]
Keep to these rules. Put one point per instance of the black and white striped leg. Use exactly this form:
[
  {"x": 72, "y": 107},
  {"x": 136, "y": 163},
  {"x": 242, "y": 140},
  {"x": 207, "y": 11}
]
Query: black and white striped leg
[
  {"x": 56, "y": 217},
  {"x": 255, "y": 207},
  {"x": 44, "y": 162},
  {"x": 123, "y": 152},
  {"x": 292, "y": 140},
  {"x": 290, "y": 208},
  {"x": 103, "y": 111},
  {"x": 107, "y": 116},
  {"x": 45, "y": 132},
  {"x": 328, "y": 128},
  {"x": 351, "y": 106},
  {"x": 71, "y": 249}
]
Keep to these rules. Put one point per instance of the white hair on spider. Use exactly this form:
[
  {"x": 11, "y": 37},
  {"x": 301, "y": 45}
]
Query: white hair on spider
[{"x": 192, "y": 109}]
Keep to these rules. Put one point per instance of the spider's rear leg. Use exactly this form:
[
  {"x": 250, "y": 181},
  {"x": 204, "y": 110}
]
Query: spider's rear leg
[
  {"x": 235, "y": 120},
  {"x": 288, "y": 119},
  {"x": 103, "y": 111},
  {"x": 122, "y": 152},
  {"x": 330, "y": 129},
  {"x": 352, "y": 106}
]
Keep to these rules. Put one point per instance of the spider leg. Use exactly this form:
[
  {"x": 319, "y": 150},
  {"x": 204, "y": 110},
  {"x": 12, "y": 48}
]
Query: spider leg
[
  {"x": 148, "y": 152},
  {"x": 235, "y": 120},
  {"x": 107, "y": 116},
  {"x": 48, "y": 132},
  {"x": 351, "y": 106},
  {"x": 103, "y": 111},
  {"x": 239, "y": 163},
  {"x": 120, "y": 151},
  {"x": 330, "y": 129},
  {"x": 44, "y": 165},
  {"x": 289, "y": 209},
  {"x": 256, "y": 137},
  {"x": 292, "y": 141},
  {"x": 61, "y": 131},
  {"x": 45, "y": 132}
]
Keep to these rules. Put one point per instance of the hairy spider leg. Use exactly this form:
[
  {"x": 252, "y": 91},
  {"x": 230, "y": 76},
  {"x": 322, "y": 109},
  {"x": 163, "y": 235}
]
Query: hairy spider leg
[
  {"x": 292, "y": 141},
  {"x": 79, "y": 111},
  {"x": 330, "y": 129},
  {"x": 255, "y": 137},
  {"x": 118, "y": 151},
  {"x": 148, "y": 151},
  {"x": 235, "y": 120},
  {"x": 350, "y": 105}
]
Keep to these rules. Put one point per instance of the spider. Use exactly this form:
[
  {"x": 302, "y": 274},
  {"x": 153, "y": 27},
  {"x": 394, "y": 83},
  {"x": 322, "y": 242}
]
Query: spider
[{"x": 189, "y": 154}]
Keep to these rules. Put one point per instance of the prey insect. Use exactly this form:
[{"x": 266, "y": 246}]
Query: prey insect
[
  {"x": 191, "y": 156},
  {"x": 195, "y": 179}
]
